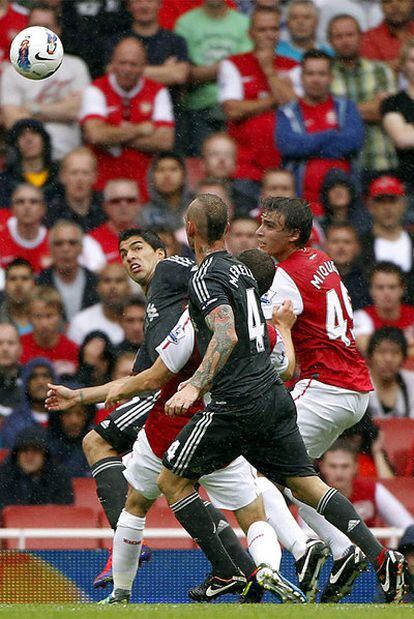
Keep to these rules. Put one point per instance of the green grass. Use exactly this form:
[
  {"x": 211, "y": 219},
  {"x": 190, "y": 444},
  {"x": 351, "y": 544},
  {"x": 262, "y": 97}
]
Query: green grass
[{"x": 205, "y": 611}]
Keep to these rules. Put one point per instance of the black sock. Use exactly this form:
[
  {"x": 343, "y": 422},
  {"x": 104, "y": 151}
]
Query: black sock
[
  {"x": 193, "y": 516},
  {"x": 111, "y": 487},
  {"x": 231, "y": 542},
  {"x": 341, "y": 513}
]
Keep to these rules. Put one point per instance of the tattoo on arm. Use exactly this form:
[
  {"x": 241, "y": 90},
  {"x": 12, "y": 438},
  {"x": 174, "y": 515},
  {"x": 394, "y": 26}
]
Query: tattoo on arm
[{"x": 221, "y": 322}]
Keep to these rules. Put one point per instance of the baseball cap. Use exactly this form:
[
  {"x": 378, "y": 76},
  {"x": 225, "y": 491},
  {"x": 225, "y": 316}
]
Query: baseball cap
[{"x": 386, "y": 186}]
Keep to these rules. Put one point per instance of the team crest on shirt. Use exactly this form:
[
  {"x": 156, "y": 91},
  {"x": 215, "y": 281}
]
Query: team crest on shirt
[
  {"x": 331, "y": 117},
  {"x": 145, "y": 107}
]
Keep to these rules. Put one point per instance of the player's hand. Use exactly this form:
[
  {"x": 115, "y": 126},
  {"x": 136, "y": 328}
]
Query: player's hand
[
  {"x": 114, "y": 396},
  {"x": 284, "y": 316},
  {"x": 181, "y": 401},
  {"x": 61, "y": 398}
]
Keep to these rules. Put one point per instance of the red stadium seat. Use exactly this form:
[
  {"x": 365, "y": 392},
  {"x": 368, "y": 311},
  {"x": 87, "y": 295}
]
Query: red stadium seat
[
  {"x": 195, "y": 171},
  {"x": 403, "y": 489},
  {"x": 51, "y": 517},
  {"x": 84, "y": 489},
  {"x": 399, "y": 442},
  {"x": 4, "y": 453}
]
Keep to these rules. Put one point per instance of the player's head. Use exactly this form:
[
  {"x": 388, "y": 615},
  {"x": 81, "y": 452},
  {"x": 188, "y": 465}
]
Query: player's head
[
  {"x": 262, "y": 267},
  {"x": 286, "y": 226},
  {"x": 339, "y": 466},
  {"x": 141, "y": 250},
  {"x": 206, "y": 220}
]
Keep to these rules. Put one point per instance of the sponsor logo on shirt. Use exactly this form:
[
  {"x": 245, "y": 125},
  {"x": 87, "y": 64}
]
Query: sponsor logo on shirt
[{"x": 152, "y": 312}]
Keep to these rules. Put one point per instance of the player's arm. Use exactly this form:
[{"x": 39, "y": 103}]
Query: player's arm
[
  {"x": 283, "y": 319},
  {"x": 149, "y": 380},
  {"x": 60, "y": 398},
  {"x": 98, "y": 132},
  {"x": 221, "y": 323},
  {"x": 160, "y": 139},
  {"x": 65, "y": 110}
]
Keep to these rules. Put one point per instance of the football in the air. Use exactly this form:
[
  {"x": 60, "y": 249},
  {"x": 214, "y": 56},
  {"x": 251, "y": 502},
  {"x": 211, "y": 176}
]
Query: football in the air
[{"x": 36, "y": 53}]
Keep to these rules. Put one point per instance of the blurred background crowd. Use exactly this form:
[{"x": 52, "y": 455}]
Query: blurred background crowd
[{"x": 157, "y": 100}]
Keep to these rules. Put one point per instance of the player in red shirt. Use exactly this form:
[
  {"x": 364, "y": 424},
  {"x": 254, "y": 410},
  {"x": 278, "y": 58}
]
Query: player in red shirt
[
  {"x": 333, "y": 389},
  {"x": 13, "y": 18},
  {"x": 121, "y": 205},
  {"x": 46, "y": 314},
  {"x": 251, "y": 86},
  {"x": 127, "y": 117}
]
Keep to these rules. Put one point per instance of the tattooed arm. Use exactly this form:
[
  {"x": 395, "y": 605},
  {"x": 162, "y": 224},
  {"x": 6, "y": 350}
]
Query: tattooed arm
[{"x": 221, "y": 322}]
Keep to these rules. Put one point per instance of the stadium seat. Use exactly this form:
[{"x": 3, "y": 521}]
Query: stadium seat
[
  {"x": 3, "y": 454},
  {"x": 398, "y": 441},
  {"x": 403, "y": 489},
  {"x": 161, "y": 516},
  {"x": 195, "y": 171},
  {"x": 51, "y": 517},
  {"x": 84, "y": 489}
]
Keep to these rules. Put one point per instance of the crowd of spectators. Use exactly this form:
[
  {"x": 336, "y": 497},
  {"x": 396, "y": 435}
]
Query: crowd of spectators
[{"x": 155, "y": 101}]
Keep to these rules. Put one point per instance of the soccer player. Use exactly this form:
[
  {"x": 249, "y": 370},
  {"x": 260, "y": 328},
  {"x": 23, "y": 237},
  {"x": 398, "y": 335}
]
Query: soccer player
[
  {"x": 333, "y": 390},
  {"x": 250, "y": 412}
]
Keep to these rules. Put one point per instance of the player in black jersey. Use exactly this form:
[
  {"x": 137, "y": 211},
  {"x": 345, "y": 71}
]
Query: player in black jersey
[{"x": 250, "y": 413}]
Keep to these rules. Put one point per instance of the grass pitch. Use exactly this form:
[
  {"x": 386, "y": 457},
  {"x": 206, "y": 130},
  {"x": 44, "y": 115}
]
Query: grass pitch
[{"x": 206, "y": 611}]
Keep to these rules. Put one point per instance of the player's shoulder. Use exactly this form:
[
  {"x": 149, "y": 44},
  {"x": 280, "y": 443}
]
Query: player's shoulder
[
  {"x": 174, "y": 272},
  {"x": 177, "y": 264}
]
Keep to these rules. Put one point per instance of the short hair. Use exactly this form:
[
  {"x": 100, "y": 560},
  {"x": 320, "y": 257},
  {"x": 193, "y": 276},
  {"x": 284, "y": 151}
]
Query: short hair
[
  {"x": 388, "y": 334},
  {"x": 117, "y": 181},
  {"x": 49, "y": 296},
  {"x": 135, "y": 301},
  {"x": 317, "y": 54},
  {"x": 294, "y": 3},
  {"x": 18, "y": 262},
  {"x": 44, "y": 6},
  {"x": 64, "y": 223},
  {"x": 216, "y": 216},
  {"x": 342, "y": 226},
  {"x": 389, "y": 267},
  {"x": 128, "y": 37},
  {"x": 340, "y": 16},
  {"x": 149, "y": 236},
  {"x": 406, "y": 49},
  {"x": 297, "y": 214},
  {"x": 21, "y": 186},
  {"x": 341, "y": 444},
  {"x": 262, "y": 10},
  {"x": 244, "y": 218},
  {"x": 219, "y": 134},
  {"x": 169, "y": 155},
  {"x": 80, "y": 150},
  {"x": 262, "y": 267}
]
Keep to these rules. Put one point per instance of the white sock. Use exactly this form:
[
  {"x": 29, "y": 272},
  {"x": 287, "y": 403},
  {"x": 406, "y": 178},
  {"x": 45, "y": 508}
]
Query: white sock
[
  {"x": 126, "y": 549},
  {"x": 336, "y": 540},
  {"x": 280, "y": 517},
  {"x": 263, "y": 544}
]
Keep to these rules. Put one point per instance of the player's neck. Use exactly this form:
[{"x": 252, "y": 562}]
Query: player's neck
[
  {"x": 284, "y": 255},
  {"x": 202, "y": 250},
  {"x": 146, "y": 30}
]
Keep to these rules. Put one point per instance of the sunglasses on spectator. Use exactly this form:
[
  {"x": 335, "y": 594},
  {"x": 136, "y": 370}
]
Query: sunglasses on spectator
[
  {"x": 29, "y": 200},
  {"x": 66, "y": 242},
  {"x": 128, "y": 199}
]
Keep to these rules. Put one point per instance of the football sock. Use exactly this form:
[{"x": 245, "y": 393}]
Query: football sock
[
  {"x": 126, "y": 549},
  {"x": 111, "y": 487},
  {"x": 336, "y": 540},
  {"x": 193, "y": 516},
  {"x": 281, "y": 519},
  {"x": 340, "y": 512},
  {"x": 263, "y": 544},
  {"x": 230, "y": 541}
]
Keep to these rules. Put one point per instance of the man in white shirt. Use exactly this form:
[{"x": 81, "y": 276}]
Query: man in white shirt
[
  {"x": 55, "y": 101},
  {"x": 113, "y": 290}
]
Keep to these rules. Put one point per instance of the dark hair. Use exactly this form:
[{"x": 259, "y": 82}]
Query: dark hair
[
  {"x": 342, "y": 444},
  {"x": 297, "y": 214},
  {"x": 18, "y": 262},
  {"x": 262, "y": 267},
  {"x": 262, "y": 10},
  {"x": 341, "y": 226},
  {"x": 317, "y": 54},
  {"x": 387, "y": 267},
  {"x": 336, "y": 18},
  {"x": 244, "y": 218},
  {"x": 134, "y": 301},
  {"x": 169, "y": 155},
  {"x": 44, "y": 6},
  {"x": 148, "y": 236},
  {"x": 108, "y": 354},
  {"x": 216, "y": 216},
  {"x": 388, "y": 334}
]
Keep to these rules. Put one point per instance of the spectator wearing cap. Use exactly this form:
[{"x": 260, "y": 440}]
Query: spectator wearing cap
[
  {"x": 367, "y": 83},
  {"x": 29, "y": 159},
  {"x": 30, "y": 477},
  {"x": 10, "y": 385},
  {"x": 384, "y": 42},
  {"x": 319, "y": 131},
  {"x": 388, "y": 240}
]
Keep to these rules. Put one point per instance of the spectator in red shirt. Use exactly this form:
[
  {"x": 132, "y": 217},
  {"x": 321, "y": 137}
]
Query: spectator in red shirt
[
  {"x": 387, "y": 288},
  {"x": 370, "y": 498},
  {"x": 127, "y": 117},
  {"x": 122, "y": 207},
  {"x": 13, "y": 18},
  {"x": 25, "y": 236},
  {"x": 251, "y": 87},
  {"x": 46, "y": 315},
  {"x": 319, "y": 131},
  {"x": 385, "y": 41}
]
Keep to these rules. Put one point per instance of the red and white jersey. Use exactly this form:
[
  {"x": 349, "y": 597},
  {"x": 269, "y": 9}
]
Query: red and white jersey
[
  {"x": 64, "y": 355},
  {"x": 108, "y": 240},
  {"x": 323, "y": 333},
  {"x": 371, "y": 499},
  {"x": 147, "y": 102},
  {"x": 241, "y": 78},
  {"x": 35, "y": 251},
  {"x": 14, "y": 20},
  {"x": 367, "y": 321}
]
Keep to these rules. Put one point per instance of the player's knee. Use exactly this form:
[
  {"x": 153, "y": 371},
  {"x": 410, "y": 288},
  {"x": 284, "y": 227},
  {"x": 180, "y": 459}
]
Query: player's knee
[
  {"x": 171, "y": 485},
  {"x": 254, "y": 512},
  {"x": 136, "y": 504},
  {"x": 95, "y": 447}
]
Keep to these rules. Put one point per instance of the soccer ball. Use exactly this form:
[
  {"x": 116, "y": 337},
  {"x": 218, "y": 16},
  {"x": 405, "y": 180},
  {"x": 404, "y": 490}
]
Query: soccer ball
[{"x": 36, "y": 53}]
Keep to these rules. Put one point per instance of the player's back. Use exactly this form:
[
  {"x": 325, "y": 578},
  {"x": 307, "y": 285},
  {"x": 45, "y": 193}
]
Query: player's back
[
  {"x": 323, "y": 333},
  {"x": 223, "y": 280}
]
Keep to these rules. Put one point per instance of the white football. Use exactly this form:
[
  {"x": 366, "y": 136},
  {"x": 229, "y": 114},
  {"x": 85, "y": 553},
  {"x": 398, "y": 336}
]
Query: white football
[{"x": 36, "y": 53}]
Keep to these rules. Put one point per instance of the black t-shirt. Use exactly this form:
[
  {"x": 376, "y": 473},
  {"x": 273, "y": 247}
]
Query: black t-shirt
[
  {"x": 223, "y": 280},
  {"x": 167, "y": 298},
  {"x": 404, "y": 105},
  {"x": 160, "y": 46}
]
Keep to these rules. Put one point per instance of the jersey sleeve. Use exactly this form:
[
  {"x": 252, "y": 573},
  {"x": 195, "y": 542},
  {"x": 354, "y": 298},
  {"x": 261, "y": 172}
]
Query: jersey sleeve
[
  {"x": 229, "y": 82},
  {"x": 176, "y": 349},
  {"x": 11, "y": 92},
  {"x": 93, "y": 104},
  {"x": 207, "y": 292},
  {"x": 363, "y": 324},
  {"x": 278, "y": 356},
  {"x": 283, "y": 288},
  {"x": 163, "y": 111}
]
